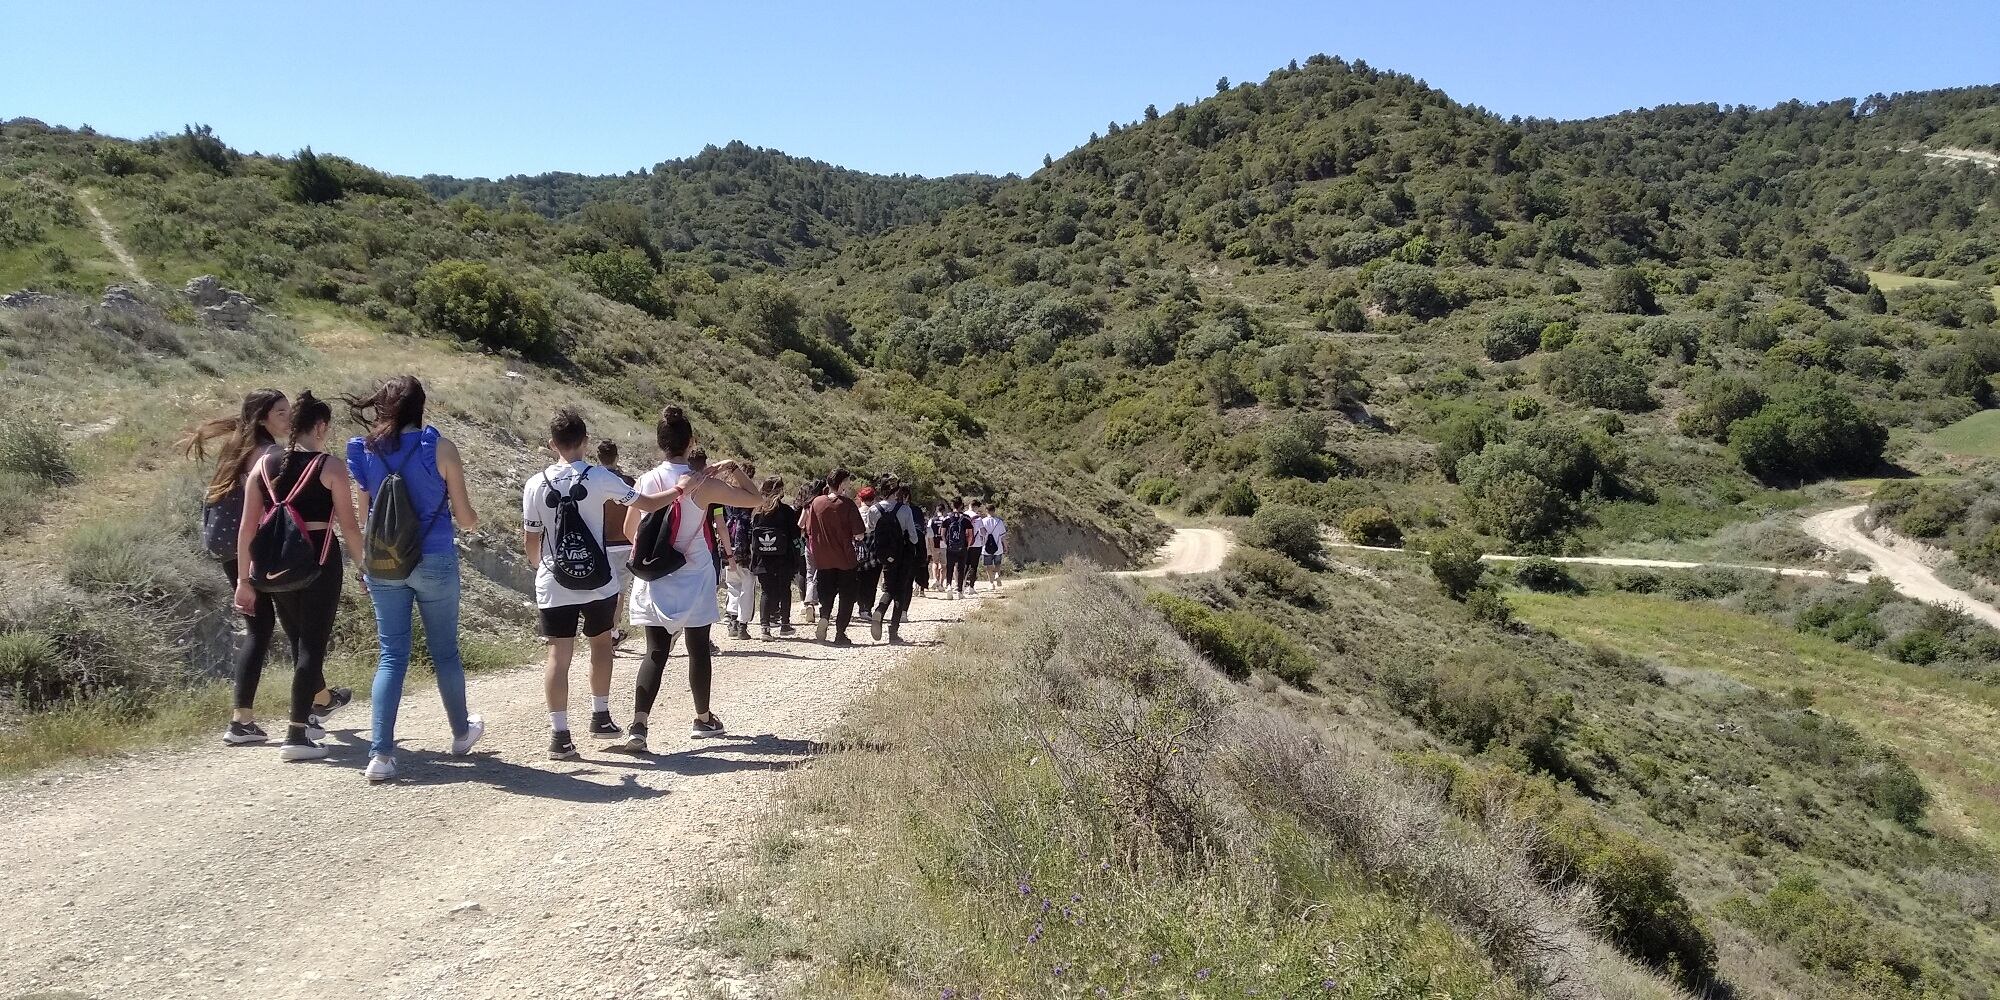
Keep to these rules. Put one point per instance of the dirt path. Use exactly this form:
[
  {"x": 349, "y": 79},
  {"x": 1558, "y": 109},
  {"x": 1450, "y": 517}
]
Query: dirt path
[
  {"x": 227, "y": 872},
  {"x": 1820, "y": 574},
  {"x": 1190, "y": 550},
  {"x": 109, "y": 236},
  {"x": 1837, "y": 528}
]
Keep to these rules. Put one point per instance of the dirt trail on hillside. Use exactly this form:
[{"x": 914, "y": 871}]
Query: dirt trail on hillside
[
  {"x": 109, "y": 237},
  {"x": 1838, "y": 529},
  {"x": 226, "y": 872},
  {"x": 1635, "y": 563}
]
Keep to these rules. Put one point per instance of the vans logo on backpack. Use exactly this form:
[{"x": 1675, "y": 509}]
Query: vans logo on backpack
[{"x": 575, "y": 555}]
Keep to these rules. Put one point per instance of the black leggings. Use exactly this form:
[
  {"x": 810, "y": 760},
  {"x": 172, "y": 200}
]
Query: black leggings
[
  {"x": 777, "y": 597},
  {"x": 653, "y": 669},
  {"x": 249, "y": 666},
  {"x": 308, "y": 619}
]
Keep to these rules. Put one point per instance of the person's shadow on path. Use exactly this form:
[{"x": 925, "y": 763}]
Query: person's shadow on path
[{"x": 768, "y": 752}]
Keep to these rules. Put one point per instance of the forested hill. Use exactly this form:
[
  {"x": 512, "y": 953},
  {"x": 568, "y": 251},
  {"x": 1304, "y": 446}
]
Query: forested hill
[
  {"x": 736, "y": 204},
  {"x": 1333, "y": 287}
]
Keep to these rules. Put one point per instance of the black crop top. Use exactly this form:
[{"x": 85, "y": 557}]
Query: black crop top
[{"x": 315, "y": 501}]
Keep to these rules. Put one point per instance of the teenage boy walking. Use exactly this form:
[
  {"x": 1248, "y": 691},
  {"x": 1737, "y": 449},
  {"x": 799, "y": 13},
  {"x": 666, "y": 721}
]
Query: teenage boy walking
[
  {"x": 562, "y": 528},
  {"x": 990, "y": 535},
  {"x": 832, "y": 525}
]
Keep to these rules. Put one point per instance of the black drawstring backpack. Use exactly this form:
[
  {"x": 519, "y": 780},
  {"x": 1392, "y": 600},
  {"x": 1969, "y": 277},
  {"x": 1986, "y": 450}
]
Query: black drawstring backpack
[{"x": 574, "y": 553}]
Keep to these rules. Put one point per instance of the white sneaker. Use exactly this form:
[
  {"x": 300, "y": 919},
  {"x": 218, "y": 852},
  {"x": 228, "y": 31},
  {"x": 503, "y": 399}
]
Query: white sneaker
[
  {"x": 475, "y": 727},
  {"x": 380, "y": 768},
  {"x": 302, "y": 751}
]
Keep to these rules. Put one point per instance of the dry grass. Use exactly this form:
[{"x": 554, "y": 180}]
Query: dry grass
[{"x": 1065, "y": 799}]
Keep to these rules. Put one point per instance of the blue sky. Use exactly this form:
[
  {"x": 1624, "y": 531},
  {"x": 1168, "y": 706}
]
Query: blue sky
[{"x": 516, "y": 87}]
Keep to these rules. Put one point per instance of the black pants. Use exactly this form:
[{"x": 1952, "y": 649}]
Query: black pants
[
  {"x": 249, "y": 666},
  {"x": 898, "y": 580},
  {"x": 775, "y": 593},
  {"x": 308, "y": 619},
  {"x": 653, "y": 669},
  {"x": 836, "y": 590},
  {"x": 959, "y": 569}
]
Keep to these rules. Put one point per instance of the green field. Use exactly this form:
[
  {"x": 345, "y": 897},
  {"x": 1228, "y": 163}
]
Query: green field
[
  {"x": 1977, "y": 436},
  {"x": 1948, "y": 729},
  {"x": 1889, "y": 281}
]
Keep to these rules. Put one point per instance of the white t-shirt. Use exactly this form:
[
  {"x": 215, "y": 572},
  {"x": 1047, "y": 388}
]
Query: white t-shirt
[
  {"x": 992, "y": 527},
  {"x": 538, "y": 514},
  {"x": 684, "y": 598}
]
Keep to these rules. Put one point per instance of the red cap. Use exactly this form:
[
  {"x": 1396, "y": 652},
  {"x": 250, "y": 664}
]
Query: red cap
[{"x": 867, "y": 493}]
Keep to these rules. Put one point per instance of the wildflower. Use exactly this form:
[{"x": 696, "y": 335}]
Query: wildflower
[
  {"x": 1329, "y": 984},
  {"x": 1036, "y": 934},
  {"x": 1203, "y": 975},
  {"x": 947, "y": 993},
  {"x": 1153, "y": 959},
  {"x": 1060, "y": 969},
  {"x": 1025, "y": 890}
]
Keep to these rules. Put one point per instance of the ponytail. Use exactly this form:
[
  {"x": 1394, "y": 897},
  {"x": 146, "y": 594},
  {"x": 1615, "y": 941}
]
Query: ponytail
[{"x": 674, "y": 432}]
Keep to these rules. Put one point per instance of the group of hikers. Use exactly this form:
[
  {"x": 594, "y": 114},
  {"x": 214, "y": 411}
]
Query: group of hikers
[{"x": 682, "y": 547}]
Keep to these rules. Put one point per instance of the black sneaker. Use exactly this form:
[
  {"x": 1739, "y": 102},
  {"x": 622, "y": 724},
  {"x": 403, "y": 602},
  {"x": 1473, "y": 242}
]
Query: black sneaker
[
  {"x": 703, "y": 730},
  {"x": 787, "y": 630},
  {"x": 242, "y": 734},
  {"x": 561, "y": 747},
  {"x": 340, "y": 697},
  {"x": 634, "y": 741},
  {"x": 875, "y": 624},
  {"x": 841, "y": 640},
  {"x": 603, "y": 728}
]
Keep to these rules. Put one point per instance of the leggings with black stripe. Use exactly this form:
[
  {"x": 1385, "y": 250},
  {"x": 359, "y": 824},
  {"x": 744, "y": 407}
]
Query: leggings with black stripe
[{"x": 652, "y": 669}]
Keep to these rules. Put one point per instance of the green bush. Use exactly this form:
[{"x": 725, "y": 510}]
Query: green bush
[
  {"x": 1292, "y": 448},
  {"x": 34, "y": 448},
  {"x": 1811, "y": 429},
  {"x": 624, "y": 275},
  {"x": 1236, "y": 641},
  {"x": 30, "y": 665},
  {"x": 1455, "y": 563},
  {"x": 1593, "y": 375},
  {"x": 1919, "y": 646},
  {"x": 1513, "y": 334},
  {"x": 1544, "y": 575},
  {"x": 1488, "y": 605},
  {"x": 1266, "y": 572},
  {"x": 1628, "y": 291},
  {"x": 131, "y": 557},
  {"x": 1284, "y": 528},
  {"x": 1895, "y": 790},
  {"x": 1825, "y": 933},
  {"x": 1157, "y": 492},
  {"x": 470, "y": 300},
  {"x": 1237, "y": 499},
  {"x": 1371, "y": 526}
]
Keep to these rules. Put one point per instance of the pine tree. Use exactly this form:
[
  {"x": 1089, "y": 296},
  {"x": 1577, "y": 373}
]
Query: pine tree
[
  {"x": 1222, "y": 85},
  {"x": 309, "y": 182}
]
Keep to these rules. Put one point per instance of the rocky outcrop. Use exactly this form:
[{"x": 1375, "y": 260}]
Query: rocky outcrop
[
  {"x": 120, "y": 298},
  {"x": 26, "y": 299},
  {"x": 219, "y": 305}
]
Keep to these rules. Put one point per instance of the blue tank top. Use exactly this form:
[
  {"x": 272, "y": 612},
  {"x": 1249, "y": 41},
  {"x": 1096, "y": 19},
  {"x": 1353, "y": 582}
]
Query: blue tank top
[{"x": 416, "y": 458}]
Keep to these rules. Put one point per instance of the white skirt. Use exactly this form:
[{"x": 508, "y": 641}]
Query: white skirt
[{"x": 680, "y": 600}]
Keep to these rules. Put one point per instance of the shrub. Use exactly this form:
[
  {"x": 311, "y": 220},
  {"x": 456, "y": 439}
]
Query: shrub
[
  {"x": 129, "y": 556},
  {"x": 472, "y": 301},
  {"x": 1719, "y": 402},
  {"x": 1371, "y": 526},
  {"x": 1347, "y": 316},
  {"x": 1557, "y": 335},
  {"x": 1486, "y": 604},
  {"x": 1918, "y": 646},
  {"x": 624, "y": 275},
  {"x": 1544, "y": 575},
  {"x": 1236, "y": 641},
  {"x": 308, "y": 181},
  {"x": 1826, "y": 933},
  {"x": 1292, "y": 448},
  {"x": 1811, "y": 429},
  {"x": 1895, "y": 790},
  {"x": 34, "y": 448},
  {"x": 1157, "y": 491},
  {"x": 1628, "y": 291},
  {"x": 1455, "y": 563},
  {"x": 1594, "y": 375},
  {"x": 1284, "y": 528},
  {"x": 1237, "y": 499},
  {"x": 1513, "y": 334},
  {"x": 1266, "y": 572},
  {"x": 29, "y": 667}
]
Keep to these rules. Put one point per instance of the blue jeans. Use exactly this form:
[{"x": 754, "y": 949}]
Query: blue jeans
[{"x": 433, "y": 589}]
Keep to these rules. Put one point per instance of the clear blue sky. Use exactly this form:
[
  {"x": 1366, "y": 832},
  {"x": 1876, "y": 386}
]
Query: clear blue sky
[{"x": 936, "y": 87}]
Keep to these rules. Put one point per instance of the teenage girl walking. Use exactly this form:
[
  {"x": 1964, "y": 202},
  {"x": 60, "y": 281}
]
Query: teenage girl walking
[
  {"x": 682, "y": 601},
  {"x": 264, "y": 419},
  {"x": 774, "y": 554},
  {"x": 317, "y": 491},
  {"x": 399, "y": 441}
]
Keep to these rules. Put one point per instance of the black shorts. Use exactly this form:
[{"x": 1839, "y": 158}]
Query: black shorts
[{"x": 596, "y": 618}]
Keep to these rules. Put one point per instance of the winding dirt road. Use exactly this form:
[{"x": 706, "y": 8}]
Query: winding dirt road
[
  {"x": 213, "y": 872},
  {"x": 1838, "y": 529}
]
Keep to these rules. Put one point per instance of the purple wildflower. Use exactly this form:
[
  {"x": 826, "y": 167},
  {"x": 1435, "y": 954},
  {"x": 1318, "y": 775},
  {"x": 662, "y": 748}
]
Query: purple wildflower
[{"x": 1202, "y": 975}]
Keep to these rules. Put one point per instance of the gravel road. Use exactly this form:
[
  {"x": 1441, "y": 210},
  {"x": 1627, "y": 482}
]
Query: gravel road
[
  {"x": 217, "y": 872},
  {"x": 1838, "y": 529}
]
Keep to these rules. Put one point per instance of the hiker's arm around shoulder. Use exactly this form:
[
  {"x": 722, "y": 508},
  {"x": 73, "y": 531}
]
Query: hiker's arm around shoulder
[
  {"x": 452, "y": 469},
  {"x": 723, "y": 489},
  {"x": 333, "y": 476}
]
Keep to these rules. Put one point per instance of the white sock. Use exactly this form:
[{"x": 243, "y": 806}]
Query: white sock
[
  {"x": 559, "y": 721},
  {"x": 600, "y": 703}
]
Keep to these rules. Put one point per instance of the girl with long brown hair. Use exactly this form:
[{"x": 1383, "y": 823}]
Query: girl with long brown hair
[
  {"x": 773, "y": 556},
  {"x": 263, "y": 420}
]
